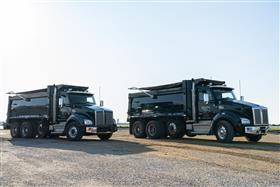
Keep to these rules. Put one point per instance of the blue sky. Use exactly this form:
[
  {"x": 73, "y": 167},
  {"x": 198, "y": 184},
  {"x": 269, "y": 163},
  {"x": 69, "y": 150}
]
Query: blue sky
[{"x": 118, "y": 45}]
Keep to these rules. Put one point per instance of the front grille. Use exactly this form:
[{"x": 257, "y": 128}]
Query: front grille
[
  {"x": 109, "y": 118},
  {"x": 104, "y": 118},
  {"x": 260, "y": 116},
  {"x": 99, "y": 118},
  {"x": 257, "y": 116},
  {"x": 265, "y": 116}
]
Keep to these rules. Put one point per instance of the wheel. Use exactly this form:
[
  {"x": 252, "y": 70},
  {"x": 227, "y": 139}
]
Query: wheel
[
  {"x": 253, "y": 137},
  {"x": 15, "y": 130},
  {"x": 26, "y": 130},
  {"x": 154, "y": 129},
  {"x": 176, "y": 129},
  {"x": 138, "y": 129},
  {"x": 42, "y": 130},
  {"x": 189, "y": 134},
  {"x": 105, "y": 136},
  {"x": 74, "y": 131},
  {"x": 224, "y": 132}
]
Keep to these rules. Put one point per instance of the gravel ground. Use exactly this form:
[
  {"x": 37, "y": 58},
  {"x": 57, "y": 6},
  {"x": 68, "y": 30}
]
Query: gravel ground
[{"x": 126, "y": 161}]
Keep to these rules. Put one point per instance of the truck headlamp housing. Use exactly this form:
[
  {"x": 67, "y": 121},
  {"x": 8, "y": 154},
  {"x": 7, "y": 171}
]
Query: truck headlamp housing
[
  {"x": 245, "y": 121},
  {"x": 88, "y": 122}
]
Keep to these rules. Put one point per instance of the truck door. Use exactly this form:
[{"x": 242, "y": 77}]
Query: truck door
[
  {"x": 205, "y": 111},
  {"x": 64, "y": 108},
  {"x": 205, "y": 104}
]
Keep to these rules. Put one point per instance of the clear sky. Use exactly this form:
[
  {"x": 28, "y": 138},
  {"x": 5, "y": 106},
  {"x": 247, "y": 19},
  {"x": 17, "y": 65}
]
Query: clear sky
[{"x": 116, "y": 45}]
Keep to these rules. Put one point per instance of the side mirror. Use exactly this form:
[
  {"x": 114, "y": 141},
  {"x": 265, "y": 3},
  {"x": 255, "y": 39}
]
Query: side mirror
[
  {"x": 60, "y": 102},
  {"x": 206, "y": 98},
  {"x": 101, "y": 103}
]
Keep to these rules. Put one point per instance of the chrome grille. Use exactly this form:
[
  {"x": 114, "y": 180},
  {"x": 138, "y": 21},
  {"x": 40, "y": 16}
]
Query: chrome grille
[
  {"x": 265, "y": 116},
  {"x": 99, "y": 118},
  {"x": 109, "y": 118},
  {"x": 260, "y": 116},
  {"x": 103, "y": 118}
]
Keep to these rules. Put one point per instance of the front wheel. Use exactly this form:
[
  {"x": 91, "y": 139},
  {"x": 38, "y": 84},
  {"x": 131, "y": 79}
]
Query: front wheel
[
  {"x": 253, "y": 138},
  {"x": 74, "y": 132},
  {"x": 224, "y": 132},
  {"x": 105, "y": 136}
]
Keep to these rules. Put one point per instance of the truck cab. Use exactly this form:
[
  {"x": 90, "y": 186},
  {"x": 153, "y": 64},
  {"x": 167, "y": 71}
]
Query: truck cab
[{"x": 216, "y": 103}]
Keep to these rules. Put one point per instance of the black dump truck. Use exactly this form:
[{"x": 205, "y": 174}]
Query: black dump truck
[
  {"x": 194, "y": 107},
  {"x": 58, "y": 110}
]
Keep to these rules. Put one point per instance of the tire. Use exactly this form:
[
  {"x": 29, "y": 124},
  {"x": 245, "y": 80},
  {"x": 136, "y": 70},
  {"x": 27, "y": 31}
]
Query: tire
[
  {"x": 42, "y": 130},
  {"x": 224, "y": 132},
  {"x": 253, "y": 138},
  {"x": 74, "y": 131},
  {"x": 154, "y": 129},
  {"x": 176, "y": 129},
  {"x": 138, "y": 129},
  {"x": 189, "y": 134},
  {"x": 15, "y": 130},
  {"x": 26, "y": 130},
  {"x": 104, "y": 137}
]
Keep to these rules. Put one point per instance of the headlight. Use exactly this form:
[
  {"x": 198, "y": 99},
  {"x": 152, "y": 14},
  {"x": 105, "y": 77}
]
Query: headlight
[
  {"x": 88, "y": 122},
  {"x": 245, "y": 121}
]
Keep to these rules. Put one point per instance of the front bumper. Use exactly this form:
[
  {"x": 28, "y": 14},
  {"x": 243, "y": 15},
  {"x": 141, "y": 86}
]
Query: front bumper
[
  {"x": 256, "y": 129},
  {"x": 91, "y": 130},
  {"x": 101, "y": 130}
]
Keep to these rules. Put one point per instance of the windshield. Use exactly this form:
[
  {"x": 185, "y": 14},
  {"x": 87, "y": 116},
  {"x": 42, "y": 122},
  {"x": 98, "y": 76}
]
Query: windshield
[
  {"x": 224, "y": 94},
  {"x": 82, "y": 99}
]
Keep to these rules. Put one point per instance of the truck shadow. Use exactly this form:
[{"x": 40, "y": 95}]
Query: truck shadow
[
  {"x": 263, "y": 146},
  {"x": 91, "y": 146}
]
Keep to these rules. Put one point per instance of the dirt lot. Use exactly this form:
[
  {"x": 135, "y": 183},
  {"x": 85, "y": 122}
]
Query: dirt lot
[{"x": 126, "y": 161}]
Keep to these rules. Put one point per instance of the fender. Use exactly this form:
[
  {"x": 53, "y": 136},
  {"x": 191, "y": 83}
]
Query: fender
[
  {"x": 230, "y": 116},
  {"x": 79, "y": 118}
]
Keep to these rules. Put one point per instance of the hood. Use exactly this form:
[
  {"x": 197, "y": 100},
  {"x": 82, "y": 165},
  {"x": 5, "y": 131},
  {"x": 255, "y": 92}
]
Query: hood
[
  {"x": 92, "y": 108},
  {"x": 242, "y": 108},
  {"x": 89, "y": 110},
  {"x": 245, "y": 103},
  {"x": 98, "y": 108}
]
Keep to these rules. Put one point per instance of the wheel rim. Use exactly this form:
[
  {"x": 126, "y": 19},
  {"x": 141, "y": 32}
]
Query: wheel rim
[
  {"x": 172, "y": 128},
  {"x": 152, "y": 130},
  {"x": 138, "y": 130},
  {"x": 222, "y": 132},
  {"x": 24, "y": 131},
  {"x": 73, "y": 131}
]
